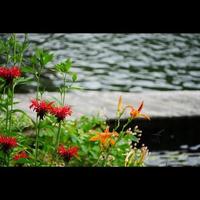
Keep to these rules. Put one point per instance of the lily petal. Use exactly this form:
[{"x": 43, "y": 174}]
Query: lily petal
[
  {"x": 112, "y": 141},
  {"x": 141, "y": 106},
  {"x": 94, "y": 138},
  {"x": 145, "y": 116}
]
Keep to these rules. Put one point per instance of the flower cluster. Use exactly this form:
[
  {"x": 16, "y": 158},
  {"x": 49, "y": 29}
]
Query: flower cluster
[
  {"x": 61, "y": 112},
  {"x": 20, "y": 155},
  {"x": 67, "y": 154},
  {"x": 7, "y": 143},
  {"x": 105, "y": 137},
  {"x": 9, "y": 74},
  {"x": 41, "y": 107}
]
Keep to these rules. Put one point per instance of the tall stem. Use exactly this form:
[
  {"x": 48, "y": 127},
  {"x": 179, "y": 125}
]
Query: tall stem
[
  {"x": 129, "y": 121},
  {"x": 4, "y": 159},
  {"x": 37, "y": 138},
  {"x": 8, "y": 159},
  {"x": 118, "y": 124},
  {"x": 11, "y": 108},
  {"x": 7, "y": 114},
  {"x": 38, "y": 86},
  {"x": 63, "y": 100},
  {"x": 58, "y": 134},
  {"x": 14, "y": 51}
]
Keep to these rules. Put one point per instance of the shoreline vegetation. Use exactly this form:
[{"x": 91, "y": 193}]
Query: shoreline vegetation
[{"x": 58, "y": 140}]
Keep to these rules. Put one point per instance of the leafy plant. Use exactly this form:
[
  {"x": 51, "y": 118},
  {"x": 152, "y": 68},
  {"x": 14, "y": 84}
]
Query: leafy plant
[{"x": 52, "y": 139}]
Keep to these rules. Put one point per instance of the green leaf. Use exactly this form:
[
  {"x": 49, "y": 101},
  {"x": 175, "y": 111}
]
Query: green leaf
[
  {"x": 47, "y": 57},
  {"x": 74, "y": 77},
  {"x": 22, "y": 80},
  {"x": 2, "y": 79},
  {"x": 76, "y": 88},
  {"x": 28, "y": 69},
  {"x": 64, "y": 67}
]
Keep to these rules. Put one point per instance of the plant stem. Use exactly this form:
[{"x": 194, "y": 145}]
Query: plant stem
[
  {"x": 58, "y": 135},
  {"x": 38, "y": 86},
  {"x": 14, "y": 51},
  {"x": 63, "y": 100},
  {"x": 98, "y": 158},
  {"x": 118, "y": 124},
  {"x": 7, "y": 112},
  {"x": 4, "y": 159},
  {"x": 11, "y": 108},
  {"x": 107, "y": 154},
  {"x": 22, "y": 52},
  {"x": 37, "y": 138},
  {"x": 8, "y": 159},
  {"x": 129, "y": 121}
]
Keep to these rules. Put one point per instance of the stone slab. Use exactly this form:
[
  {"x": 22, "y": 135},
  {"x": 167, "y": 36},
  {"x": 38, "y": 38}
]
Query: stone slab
[{"x": 156, "y": 103}]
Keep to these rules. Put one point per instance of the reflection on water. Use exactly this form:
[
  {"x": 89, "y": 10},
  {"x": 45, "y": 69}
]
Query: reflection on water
[{"x": 128, "y": 62}]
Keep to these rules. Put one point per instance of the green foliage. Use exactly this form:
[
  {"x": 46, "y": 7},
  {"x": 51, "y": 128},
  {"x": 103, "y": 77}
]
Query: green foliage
[{"x": 40, "y": 138}]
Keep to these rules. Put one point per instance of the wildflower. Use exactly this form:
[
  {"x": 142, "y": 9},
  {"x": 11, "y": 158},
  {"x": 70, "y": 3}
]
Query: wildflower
[
  {"x": 20, "y": 155},
  {"x": 61, "y": 112},
  {"x": 10, "y": 73},
  {"x": 105, "y": 137},
  {"x": 136, "y": 112},
  {"x": 41, "y": 107},
  {"x": 144, "y": 153},
  {"x": 7, "y": 143},
  {"x": 67, "y": 154}
]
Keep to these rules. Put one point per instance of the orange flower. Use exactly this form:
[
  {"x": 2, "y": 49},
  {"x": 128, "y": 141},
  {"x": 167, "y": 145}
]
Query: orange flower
[
  {"x": 105, "y": 137},
  {"x": 136, "y": 112}
]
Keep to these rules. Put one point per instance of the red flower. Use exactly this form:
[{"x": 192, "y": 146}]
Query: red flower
[
  {"x": 7, "y": 143},
  {"x": 61, "y": 112},
  {"x": 67, "y": 154},
  {"x": 20, "y": 155},
  {"x": 41, "y": 107},
  {"x": 10, "y": 73}
]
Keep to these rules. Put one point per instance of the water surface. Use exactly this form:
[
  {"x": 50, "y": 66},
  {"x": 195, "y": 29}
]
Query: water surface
[{"x": 127, "y": 62}]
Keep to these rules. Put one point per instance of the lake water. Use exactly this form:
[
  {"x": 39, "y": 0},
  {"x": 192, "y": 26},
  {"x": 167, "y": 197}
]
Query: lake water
[{"x": 127, "y": 62}]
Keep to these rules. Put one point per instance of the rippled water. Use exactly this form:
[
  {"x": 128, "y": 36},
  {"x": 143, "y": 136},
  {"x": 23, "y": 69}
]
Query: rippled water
[
  {"x": 128, "y": 62},
  {"x": 172, "y": 159}
]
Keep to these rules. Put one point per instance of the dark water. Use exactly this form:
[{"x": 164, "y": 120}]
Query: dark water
[{"x": 127, "y": 62}]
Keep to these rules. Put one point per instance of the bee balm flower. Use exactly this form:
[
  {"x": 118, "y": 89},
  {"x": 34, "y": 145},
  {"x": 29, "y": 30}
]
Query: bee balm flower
[
  {"x": 41, "y": 107},
  {"x": 7, "y": 143},
  {"x": 61, "y": 112},
  {"x": 20, "y": 155},
  {"x": 9, "y": 74},
  {"x": 67, "y": 154}
]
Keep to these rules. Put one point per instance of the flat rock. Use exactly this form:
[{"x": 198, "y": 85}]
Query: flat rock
[{"x": 156, "y": 103}]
